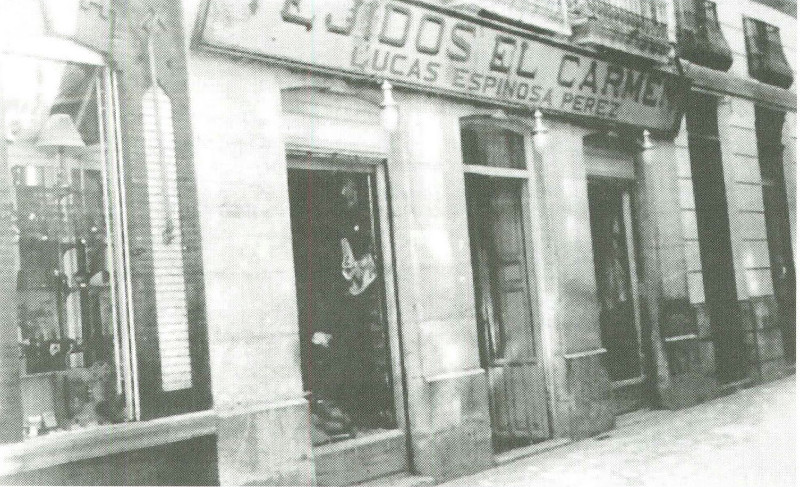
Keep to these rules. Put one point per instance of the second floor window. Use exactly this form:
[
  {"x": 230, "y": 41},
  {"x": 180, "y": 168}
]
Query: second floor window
[
  {"x": 700, "y": 39},
  {"x": 765, "y": 57}
]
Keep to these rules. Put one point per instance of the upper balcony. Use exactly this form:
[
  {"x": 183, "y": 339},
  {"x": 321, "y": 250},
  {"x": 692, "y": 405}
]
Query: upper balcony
[
  {"x": 543, "y": 15},
  {"x": 633, "y": 27},
  {"x": 700, "y": 39}
]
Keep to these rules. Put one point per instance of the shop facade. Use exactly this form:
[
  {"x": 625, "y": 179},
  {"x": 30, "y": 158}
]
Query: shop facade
[
  {"x": 523, "y": 249},
  {"x": 434, "y": 236}
]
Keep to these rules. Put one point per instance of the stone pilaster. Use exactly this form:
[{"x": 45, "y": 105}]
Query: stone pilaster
[
  {"x": 243, "y": 198},
  {"x": 582, "y": 387},
  {"x": 447, "y": 396},
  {"x": 670, "y": 320}
]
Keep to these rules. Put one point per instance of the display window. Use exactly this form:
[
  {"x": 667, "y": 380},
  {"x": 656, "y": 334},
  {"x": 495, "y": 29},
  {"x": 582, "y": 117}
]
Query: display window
[
  {"x": 68, "y": 325},
  {"x": 110, "y": 327}
]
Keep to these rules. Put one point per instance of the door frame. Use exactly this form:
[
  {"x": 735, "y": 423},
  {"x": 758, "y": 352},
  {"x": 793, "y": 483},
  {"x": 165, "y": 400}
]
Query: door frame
[
  {"x": 369, "y": 163},
  {"x": 542, "y": 308}
]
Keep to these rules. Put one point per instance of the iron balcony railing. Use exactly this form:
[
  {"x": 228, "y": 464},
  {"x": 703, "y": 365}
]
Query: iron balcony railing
[
  {"x": 550, "y": 15},
  {"x": 552, "y": 9},
  {"x": 646, "y": 16},
  {"x": 637, "y": 27}
]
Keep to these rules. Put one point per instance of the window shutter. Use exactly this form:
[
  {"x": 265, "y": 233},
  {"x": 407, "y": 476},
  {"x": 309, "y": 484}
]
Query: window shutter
[{"x": 168, "y": 265}]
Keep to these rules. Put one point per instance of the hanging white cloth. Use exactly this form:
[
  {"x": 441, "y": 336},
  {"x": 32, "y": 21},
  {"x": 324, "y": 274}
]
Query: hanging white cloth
[{"x": 359, "y": 272}]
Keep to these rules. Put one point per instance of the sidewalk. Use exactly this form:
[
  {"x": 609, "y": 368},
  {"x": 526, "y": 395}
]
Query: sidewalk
[{"x": 744, "y": 439}]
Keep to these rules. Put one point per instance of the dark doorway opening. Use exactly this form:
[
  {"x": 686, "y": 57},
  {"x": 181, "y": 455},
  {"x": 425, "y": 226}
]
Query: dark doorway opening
[
  {"x": 714, "y": 236},
  {"x": 769, "y": 129},
  {"x": 613, "y": 245},
  {"x": 344, "y": 345}
]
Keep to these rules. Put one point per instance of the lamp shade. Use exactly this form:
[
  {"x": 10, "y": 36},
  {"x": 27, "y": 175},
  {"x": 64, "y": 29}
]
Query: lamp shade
[{"x": 59, "y": 131}]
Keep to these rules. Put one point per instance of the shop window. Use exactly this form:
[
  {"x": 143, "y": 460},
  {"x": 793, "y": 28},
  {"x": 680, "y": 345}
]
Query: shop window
[
  {"x": 342, "y": 311},
  {"x": 69, "y": 328},
  {"x": 486, "y": 145},
  {"x": 86, "y": 358},
  {"x": 765, "y": 57}
]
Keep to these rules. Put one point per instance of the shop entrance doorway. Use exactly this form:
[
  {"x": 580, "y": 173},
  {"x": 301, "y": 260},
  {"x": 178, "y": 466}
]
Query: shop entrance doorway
[
  {"x": 714, "y": 236},
  {"x": 509, "y": 327},
  {"x": 508, "y": 331},
  {"x": 610, "y": 216},
  {"x": 344, "y": 320}
]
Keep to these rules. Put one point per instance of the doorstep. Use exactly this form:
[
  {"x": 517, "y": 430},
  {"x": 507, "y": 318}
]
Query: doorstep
[
  {"x": 638, "y": 416},
  {"x": 527, "y": 451},
  {"x": 400, "y": 480}
]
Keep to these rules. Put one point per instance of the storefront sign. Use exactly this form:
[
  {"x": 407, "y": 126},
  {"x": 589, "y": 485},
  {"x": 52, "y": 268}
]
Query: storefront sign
[{"x": 432, "y": 49}]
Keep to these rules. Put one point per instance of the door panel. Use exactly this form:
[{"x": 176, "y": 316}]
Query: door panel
[{"x": 507, "y": 325}]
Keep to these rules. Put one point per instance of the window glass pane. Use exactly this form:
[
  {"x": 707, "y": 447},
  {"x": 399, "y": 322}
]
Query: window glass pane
[
  {"x": 67, "y": 331},
  {"x": 493, "y": 146}
]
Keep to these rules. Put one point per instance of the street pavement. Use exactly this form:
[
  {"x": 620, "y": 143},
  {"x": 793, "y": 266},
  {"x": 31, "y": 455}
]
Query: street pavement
[{"x": 743, "y": 439}]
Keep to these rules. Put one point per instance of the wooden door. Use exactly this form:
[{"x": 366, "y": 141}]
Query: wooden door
[{"x": 508, "y": 329}]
